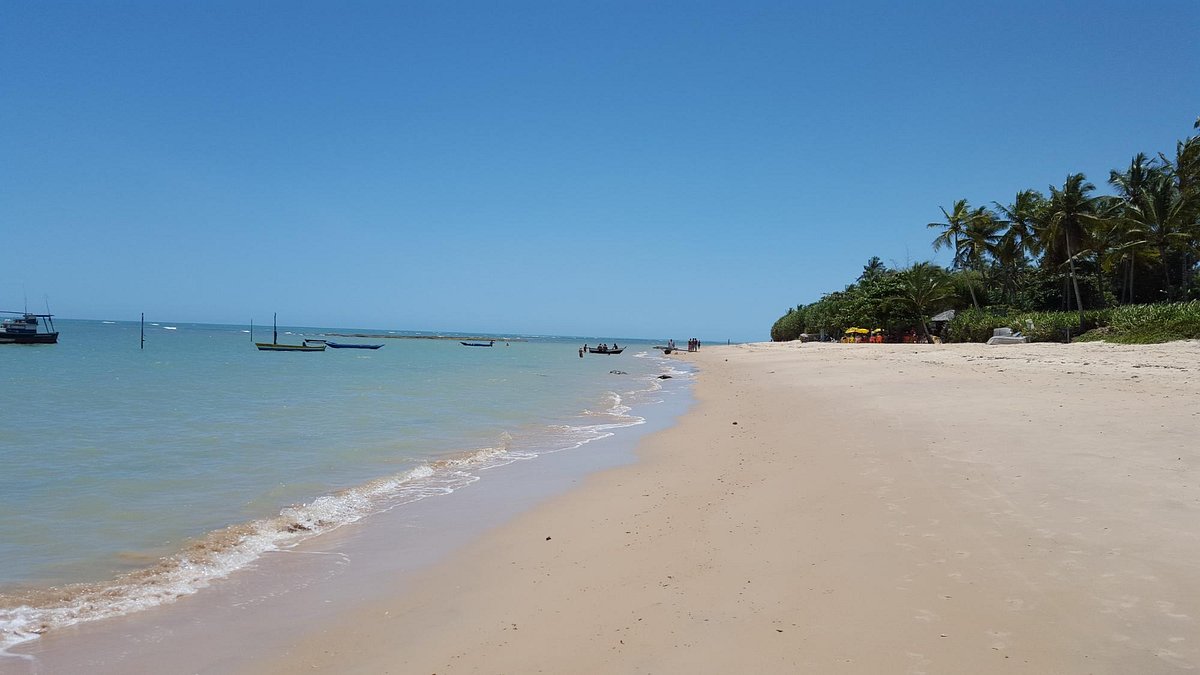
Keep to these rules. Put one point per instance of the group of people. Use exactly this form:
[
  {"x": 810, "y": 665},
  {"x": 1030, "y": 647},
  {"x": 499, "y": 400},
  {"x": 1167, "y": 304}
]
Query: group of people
[
  {"x": 602, "y": 349},
  {"x": 693, "y": 345}
]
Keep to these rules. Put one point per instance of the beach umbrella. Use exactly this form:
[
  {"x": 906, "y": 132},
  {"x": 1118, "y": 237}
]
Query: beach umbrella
[
  {"x": 851, "y": 330},
  {"x": 862, "y": 331}
]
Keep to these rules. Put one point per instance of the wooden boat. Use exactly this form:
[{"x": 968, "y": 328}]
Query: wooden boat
[
  {"x": 274, "y": 346},
  {"x": 477, "y": 344},
  {"x": 348, "y": 345},
  {"x": 25, "y": 329},
  {"x": 597, "y": 350}
]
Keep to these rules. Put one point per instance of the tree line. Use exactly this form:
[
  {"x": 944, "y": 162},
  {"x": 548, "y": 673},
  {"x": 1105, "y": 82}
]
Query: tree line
[{"x": 1069, "y": 249}]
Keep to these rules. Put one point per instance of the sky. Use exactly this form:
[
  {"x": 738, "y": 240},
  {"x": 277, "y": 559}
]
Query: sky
[{"x": 630, "y": 169}]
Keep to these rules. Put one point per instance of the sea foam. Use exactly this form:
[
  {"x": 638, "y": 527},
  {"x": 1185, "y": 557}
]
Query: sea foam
[{"x": 26, "y": 615}]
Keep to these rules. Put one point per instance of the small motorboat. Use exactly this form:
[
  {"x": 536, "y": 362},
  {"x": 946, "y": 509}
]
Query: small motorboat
[{"x": 478, "y": 344}]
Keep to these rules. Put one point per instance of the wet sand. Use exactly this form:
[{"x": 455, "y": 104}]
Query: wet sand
[{"x": 845, "y": 509}]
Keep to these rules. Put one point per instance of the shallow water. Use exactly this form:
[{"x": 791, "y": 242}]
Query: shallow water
[{"x": 136, "y": 476}]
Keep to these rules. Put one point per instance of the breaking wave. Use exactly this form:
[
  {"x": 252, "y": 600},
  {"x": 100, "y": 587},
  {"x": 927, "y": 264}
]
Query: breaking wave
[{"x": 27, "y": 614}]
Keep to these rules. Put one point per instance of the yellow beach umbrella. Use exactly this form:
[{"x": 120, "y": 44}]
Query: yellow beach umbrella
[
  {"x": 861, "y": 331},
  {"x": 851, "y": 330}
]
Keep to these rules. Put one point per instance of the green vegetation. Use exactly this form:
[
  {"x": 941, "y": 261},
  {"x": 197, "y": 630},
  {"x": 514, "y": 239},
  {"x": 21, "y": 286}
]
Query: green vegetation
[
  {"x": 1066, "y": 263},
  {"x": 1146, "y": 324}
]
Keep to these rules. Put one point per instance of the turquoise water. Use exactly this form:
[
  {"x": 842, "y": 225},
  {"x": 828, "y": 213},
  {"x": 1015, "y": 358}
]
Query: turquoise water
[{"x": 135, "y": 475}]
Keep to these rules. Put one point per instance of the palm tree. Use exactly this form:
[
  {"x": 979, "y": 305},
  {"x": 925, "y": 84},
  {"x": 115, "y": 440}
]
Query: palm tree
[
  {"x": 1066, "y": 222},
  {"x": 1018, "y": 237},
  {"x": 1122, "y": 245},
  {"x": 924, "y": 287},
  {"x": 1010, "y": 259},
  {"x": 955, "y": 227},
  {"x": 1021, "y": 218},
  {"x": 873, "y": 269},
  {"x": 1128, "y": 233},
  {"x": 1162, "y": 219},
  {"x": 1185, "y": 171},
  {"x": 969, "y": 232},
  {"x": 1132, "y": 183},
  {"x": 982, "y": 236}
]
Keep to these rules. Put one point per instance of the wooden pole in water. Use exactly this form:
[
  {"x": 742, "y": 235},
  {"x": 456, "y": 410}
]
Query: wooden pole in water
[
  {"x": 252, "y": 329},
  {"x": 274, "y": 329},
  {"x": 143, "y": 330}
]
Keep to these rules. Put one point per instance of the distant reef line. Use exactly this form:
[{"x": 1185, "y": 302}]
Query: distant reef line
[{"x": 425, "y": 337}]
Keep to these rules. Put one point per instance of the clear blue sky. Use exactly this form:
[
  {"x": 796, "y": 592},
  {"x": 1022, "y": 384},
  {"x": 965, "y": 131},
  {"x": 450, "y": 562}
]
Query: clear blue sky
[{"x": 639, "y": 169}]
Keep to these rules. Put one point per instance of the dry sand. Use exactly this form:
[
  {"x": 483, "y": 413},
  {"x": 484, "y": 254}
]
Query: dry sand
[{"x": 844, "y": 509}]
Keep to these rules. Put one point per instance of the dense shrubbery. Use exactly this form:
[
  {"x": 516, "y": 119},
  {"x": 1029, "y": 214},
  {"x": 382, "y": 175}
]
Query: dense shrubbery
[
  {"x": 789, "y": 326},
  {"x": 1046, "y": 264},
  {"x": 974, "y": 325},
  {"x": 1145, "y": 324},
  {"x": 876, "y": 300}
]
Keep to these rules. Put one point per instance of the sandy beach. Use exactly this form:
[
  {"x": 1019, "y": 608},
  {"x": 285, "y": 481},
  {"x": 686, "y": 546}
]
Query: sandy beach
[{"x": 843, "y": 509}]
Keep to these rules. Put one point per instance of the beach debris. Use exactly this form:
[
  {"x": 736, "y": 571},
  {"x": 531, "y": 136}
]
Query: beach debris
[
  {"x": 547, "y": 538},
  {"x": 618, "y": 372},
  {"x": 664, "y": 377},
  {"x": 735, "y": 422}
]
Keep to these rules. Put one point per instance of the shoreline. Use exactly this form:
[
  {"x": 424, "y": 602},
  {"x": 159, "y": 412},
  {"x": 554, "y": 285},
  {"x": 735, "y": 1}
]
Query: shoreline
[
  {"x": 254, "y": 609},
  {"x": 842, "y": 508}
]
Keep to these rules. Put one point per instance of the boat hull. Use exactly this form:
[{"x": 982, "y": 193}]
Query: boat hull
[
  {"x": 28, "y": 339},
  {"x": 273, "y": 347},
  {"x": 607, "y": 351}
]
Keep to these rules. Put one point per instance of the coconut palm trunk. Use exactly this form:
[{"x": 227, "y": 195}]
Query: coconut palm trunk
[
  {"x": 1074, "y": 279},
  {"x": 1132, "y": 267},
  {"x": 1166, "y": 271}
]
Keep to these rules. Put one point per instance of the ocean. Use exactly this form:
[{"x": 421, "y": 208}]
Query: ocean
[{"x": 132, "y": 477}]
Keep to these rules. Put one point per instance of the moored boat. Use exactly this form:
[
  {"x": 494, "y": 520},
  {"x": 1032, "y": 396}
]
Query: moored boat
[
  {"x": 26, "y": 329},
  {"x": 477, "y": 344},
  {"x": 275, "y": 346}
]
